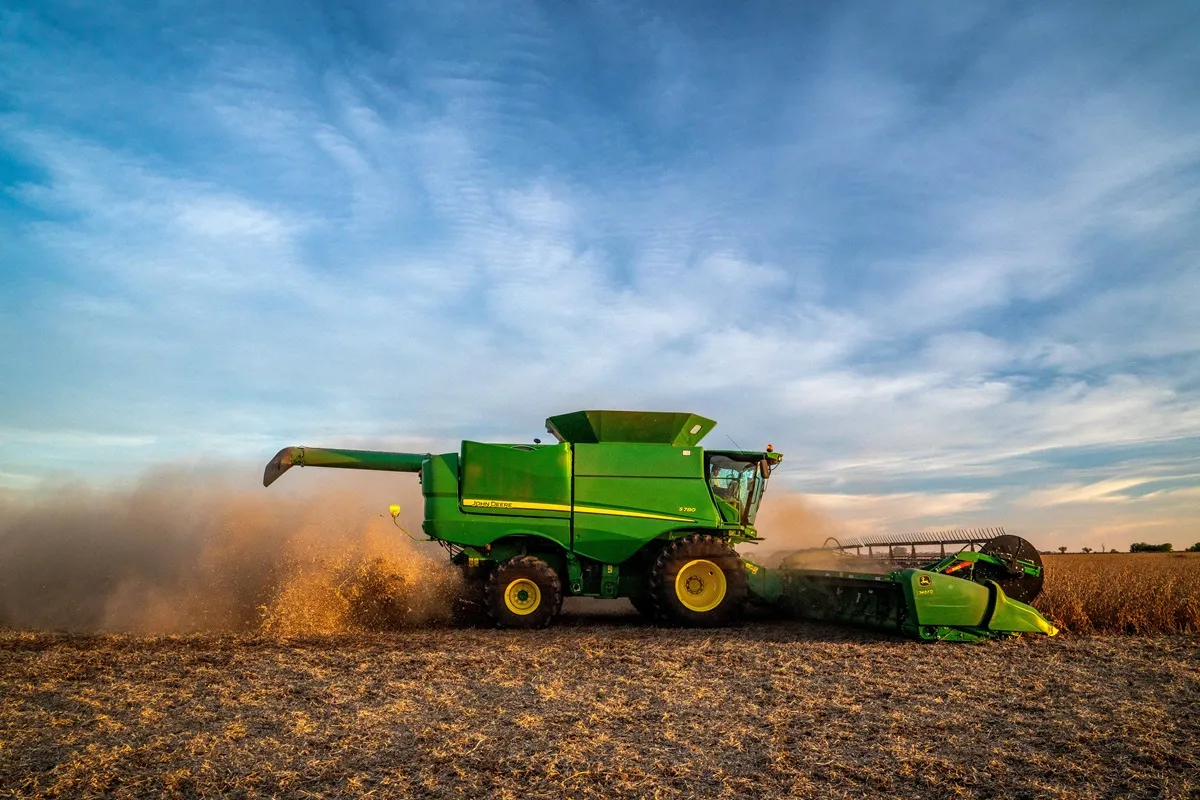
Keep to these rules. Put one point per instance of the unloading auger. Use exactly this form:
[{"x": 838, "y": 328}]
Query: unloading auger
[{"x": 627, "y": 504}]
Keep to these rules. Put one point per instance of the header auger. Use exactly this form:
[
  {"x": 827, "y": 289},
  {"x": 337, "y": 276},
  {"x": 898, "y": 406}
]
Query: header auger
[{"x": 627, "y": 504}]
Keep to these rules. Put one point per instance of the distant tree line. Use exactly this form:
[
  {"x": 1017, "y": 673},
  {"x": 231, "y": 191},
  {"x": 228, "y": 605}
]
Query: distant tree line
[
  {"x": 1142, "y": 547},
  {"x": 1139, "y": 547}
]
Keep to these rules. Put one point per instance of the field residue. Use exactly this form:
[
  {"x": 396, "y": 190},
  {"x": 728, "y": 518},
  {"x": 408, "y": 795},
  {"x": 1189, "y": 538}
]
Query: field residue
[{"x": 598, "y": 707}]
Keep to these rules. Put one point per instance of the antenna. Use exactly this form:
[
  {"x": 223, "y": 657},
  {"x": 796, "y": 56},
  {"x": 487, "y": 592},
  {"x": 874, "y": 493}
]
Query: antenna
[{"x": 735, "y": 444}]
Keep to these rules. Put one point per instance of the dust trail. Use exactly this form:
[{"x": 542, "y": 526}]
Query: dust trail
[
  {"x": 183, "y": 552},
  {"x": 794, "y": 532}
]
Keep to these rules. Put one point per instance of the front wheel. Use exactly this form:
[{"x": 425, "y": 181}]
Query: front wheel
[
  {"x": 523, "y": 592},
  {"x": 699, "y": 581}
]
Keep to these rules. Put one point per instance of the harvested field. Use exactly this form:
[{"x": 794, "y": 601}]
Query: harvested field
[
  {"x": 325, "y": 673},
  {"x": 599, "y": 707},
  {"x": 1136, "y": 593}
]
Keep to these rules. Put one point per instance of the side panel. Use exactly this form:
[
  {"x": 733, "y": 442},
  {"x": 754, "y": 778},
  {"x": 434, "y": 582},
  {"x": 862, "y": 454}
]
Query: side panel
[
  {"x": 639, "y": 461},
  {"x": 1013, "y": 615},
  {"x": 946, "y": 600},
  {"x": 445, "y": 518},
  {"x": 629, "y": 494},
  {"x": 516, "y": 480}
]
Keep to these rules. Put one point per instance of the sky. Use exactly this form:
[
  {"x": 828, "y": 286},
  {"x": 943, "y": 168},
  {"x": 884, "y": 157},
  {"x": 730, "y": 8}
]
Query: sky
[{"x": 944, "y": 256}]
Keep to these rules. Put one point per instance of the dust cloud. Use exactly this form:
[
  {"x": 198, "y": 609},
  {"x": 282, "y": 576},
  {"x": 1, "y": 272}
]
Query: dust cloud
[
  {"x": 181, "y": 552},
  {"x": 794, "y": 534}
]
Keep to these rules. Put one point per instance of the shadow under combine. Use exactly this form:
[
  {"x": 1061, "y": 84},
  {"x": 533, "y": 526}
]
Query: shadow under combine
[{"x": 759, "y": 624}]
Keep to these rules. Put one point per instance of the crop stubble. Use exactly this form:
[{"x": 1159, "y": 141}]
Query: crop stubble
[{"x": 599, "y": 707}]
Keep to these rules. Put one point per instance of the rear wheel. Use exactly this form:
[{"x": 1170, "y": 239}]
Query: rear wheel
[
  {"x": 523, "y": 592},
  {"x": 698, "y": 581}
]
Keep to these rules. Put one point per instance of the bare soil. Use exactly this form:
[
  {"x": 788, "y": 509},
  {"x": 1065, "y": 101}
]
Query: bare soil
[{"x": 599, "y": 706}]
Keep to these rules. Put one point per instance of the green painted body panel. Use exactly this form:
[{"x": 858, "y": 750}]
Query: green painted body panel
[
  {"x": 498, "y": 478},
  {"x": 604, "y": 502},
  {"x": 639, "y": 461},
  {"x": 439, "y": 478},
  {"x": 447, "y": 522},
  {"x": 727, "y": 512},
  {"x": 622, "y": 496},
  {"x": 671, "y": 501},
  {"x": 937, "y": 599},
  {"x": 614, "y": 540},
  {"x": 629, "y": 494},
  {"x": 446, "y": 519},
  {"x": 1013, "y": 615}
]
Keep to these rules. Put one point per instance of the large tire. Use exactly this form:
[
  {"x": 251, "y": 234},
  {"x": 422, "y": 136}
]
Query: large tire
[
  {"x": 523, "y": 592},
  {"x": 698, "y": 582}
]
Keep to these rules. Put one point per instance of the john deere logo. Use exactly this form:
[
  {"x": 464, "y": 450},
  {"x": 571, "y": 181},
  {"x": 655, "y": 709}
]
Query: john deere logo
[{"x": 924, "y": 580}]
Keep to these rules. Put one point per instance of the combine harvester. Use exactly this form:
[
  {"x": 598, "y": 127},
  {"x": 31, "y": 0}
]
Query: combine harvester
[{"x": 627, "y": 504}]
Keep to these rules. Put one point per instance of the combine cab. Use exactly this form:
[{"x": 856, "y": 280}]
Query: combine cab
[{"x": 627, "y": 504}]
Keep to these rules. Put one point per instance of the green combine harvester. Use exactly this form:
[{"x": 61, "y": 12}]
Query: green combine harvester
[{"x": 627, "y": 504}]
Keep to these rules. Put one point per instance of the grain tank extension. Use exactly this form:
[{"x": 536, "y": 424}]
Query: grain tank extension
[{"x": 624, "y": 504}]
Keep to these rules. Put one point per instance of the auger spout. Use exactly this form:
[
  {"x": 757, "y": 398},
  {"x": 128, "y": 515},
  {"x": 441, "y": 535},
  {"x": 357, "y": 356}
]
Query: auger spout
[{"x": 290, "y": 457}]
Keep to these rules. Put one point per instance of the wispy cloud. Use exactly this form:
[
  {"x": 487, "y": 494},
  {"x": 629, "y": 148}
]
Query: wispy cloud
[{"x": 950, "y": 269}]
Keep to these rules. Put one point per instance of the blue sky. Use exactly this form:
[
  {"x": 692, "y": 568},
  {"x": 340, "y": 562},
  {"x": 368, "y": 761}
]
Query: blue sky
[{"x": 945, "y": 256}]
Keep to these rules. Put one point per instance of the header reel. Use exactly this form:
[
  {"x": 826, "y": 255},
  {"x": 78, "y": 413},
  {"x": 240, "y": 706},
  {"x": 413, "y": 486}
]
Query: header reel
[{"x": 1020, "y": 575}]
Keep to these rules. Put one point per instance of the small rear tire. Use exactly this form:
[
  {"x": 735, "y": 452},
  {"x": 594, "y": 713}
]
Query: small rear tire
[{"x": 523, "y": 592}]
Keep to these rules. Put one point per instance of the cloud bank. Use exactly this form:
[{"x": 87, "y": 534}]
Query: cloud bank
[{"x": 946, "y": 261}]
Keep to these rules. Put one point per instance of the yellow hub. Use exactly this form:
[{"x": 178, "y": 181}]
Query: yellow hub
[
  {"x": 522, "y": 596},
  {"x": 700, "y": 585}
]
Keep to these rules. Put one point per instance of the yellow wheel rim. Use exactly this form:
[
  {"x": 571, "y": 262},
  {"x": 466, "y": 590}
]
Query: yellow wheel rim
[
  {"x": 522, "y": 596},
  {"x": 700, "y": 585}
]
